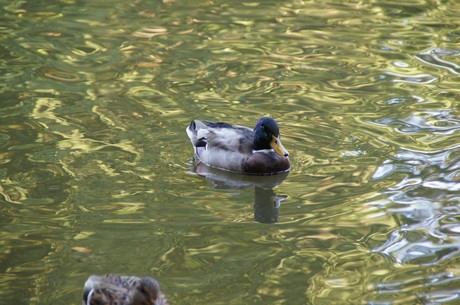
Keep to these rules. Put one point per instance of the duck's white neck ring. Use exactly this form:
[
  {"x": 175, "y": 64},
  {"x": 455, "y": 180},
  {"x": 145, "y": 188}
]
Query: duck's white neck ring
[{"x": 263, "y": 150}]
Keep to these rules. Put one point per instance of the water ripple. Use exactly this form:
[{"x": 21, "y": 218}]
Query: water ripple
[
  {"x": 442, "y": 287},
  {"x": 427, "y": 130},
  {"x": 433, "y": 57},
  {"x": 425, "y": 202},
  {"x": 421, "y": 78}
]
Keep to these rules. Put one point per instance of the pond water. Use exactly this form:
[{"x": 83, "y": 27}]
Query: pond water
[{"x": 97, "y": 173}]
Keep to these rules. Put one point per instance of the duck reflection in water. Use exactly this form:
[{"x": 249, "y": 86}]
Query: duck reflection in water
[
  {"x": 266, "y": 202},
  {"x": 122, "y": 290}
]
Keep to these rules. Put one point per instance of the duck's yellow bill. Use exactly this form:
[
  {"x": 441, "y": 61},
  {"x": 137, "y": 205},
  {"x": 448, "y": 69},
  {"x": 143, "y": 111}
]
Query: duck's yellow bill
[{"x": 275, "y": 143}]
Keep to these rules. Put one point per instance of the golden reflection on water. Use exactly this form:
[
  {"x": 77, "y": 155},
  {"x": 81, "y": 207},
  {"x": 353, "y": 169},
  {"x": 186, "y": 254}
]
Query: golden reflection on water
[{"x": 94, "y": 174}]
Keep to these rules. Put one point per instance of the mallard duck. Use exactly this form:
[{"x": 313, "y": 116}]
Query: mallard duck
[
  {"x": 238, "y": 148},
  {"x": 122, "y": 290}
]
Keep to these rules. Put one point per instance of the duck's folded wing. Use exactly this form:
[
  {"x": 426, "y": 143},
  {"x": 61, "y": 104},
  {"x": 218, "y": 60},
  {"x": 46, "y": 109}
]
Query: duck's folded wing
[{"x": 228, "y": 139}]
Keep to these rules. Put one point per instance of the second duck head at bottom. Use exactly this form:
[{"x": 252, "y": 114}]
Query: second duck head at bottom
[{"x": 122, "y": 290}]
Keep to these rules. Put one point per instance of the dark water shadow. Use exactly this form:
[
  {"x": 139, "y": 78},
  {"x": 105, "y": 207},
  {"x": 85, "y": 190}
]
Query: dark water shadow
[{"x": 266, "y": 202}]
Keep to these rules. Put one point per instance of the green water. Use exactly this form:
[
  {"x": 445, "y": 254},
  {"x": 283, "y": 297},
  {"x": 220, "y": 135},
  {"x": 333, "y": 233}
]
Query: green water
[{"x": 96, "y": 171}]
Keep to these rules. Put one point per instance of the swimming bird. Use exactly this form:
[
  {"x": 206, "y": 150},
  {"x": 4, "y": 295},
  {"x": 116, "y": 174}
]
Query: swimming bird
[
  {"x": 240, "y": 149},
  {"x": 122, "y": 290}
]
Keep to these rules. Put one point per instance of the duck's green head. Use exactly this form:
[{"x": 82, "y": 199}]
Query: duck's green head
[{"x": 267, "y": 136}]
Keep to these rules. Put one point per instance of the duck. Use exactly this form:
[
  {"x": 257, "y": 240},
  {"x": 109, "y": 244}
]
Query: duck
[
  {"x": 240, "y": 149},
  {"x": 122, "y": 290}
]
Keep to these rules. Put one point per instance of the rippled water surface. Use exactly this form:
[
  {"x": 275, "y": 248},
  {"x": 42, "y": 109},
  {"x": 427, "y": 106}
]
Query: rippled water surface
[{"x": 97, "y": 175}]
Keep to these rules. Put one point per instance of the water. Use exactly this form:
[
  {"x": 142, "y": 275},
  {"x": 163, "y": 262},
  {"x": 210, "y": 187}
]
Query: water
[{"x": 96, "y": 171}]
